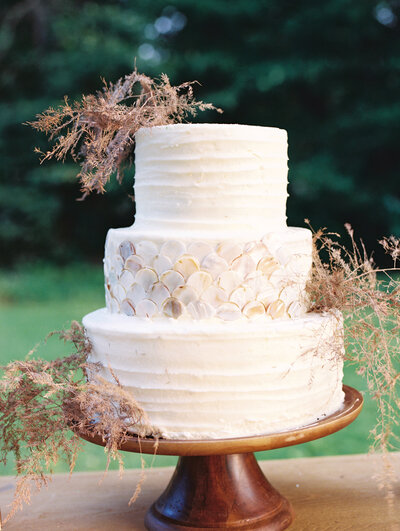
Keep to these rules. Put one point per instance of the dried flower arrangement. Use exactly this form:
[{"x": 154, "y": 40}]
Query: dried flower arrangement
[
  {"x": 99, "y": 130},
  {"x": 41, "y": 400},
  {"x": 368, "y": 298}
]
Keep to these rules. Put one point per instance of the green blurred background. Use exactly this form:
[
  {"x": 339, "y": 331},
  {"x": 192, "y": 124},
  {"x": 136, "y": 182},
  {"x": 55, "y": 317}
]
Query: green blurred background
[{"x": 327, "y": 72}]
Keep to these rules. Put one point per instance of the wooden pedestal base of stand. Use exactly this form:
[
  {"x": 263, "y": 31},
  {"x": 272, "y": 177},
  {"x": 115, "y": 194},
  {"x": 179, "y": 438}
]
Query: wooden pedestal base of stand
[
  {"x": 219, "y": 492},
  {"x": 218, "y": 484}
]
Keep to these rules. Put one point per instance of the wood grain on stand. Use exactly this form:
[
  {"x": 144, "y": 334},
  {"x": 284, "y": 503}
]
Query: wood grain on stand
[{"x": 327, "y": 494}]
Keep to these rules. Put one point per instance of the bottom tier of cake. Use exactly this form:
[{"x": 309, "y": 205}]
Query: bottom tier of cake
[{"x": 223, "y": 379}]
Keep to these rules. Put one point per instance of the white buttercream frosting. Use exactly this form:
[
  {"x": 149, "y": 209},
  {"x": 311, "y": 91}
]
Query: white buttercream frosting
[
  {"x": 205, "y": 321},
  {"x": 219, "y": 178},
  {"x": 215, "y": 379}
]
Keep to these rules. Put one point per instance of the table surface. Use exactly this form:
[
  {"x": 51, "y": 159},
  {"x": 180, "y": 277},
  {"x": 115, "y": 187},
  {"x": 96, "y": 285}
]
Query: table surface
[{"x": 328, "y": 494}]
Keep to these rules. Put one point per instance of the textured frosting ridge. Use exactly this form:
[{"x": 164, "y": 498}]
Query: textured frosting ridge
[
  {"x": 228, "y": 178},
  {"x": 223, "y": 379}
]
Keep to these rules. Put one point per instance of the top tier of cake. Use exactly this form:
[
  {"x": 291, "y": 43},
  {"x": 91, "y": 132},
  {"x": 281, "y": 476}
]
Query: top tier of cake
[{"x": 211, "y": 178}]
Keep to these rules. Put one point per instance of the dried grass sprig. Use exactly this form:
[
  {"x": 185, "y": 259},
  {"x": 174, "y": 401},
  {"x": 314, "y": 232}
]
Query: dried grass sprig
[
  {"x": 40, "y": 401},
  {"x": 369, "y": 298},
  {"x": 99, "y": 130}
]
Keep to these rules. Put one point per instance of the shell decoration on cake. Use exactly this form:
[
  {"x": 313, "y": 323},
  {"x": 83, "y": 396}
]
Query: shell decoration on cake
[{"x": 227, "y": 280}]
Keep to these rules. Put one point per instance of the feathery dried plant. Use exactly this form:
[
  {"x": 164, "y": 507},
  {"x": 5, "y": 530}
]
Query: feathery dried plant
[
  {"x": 99, "y": 131},
  {"x": 40, "y": 401},
  {"x": 369, "y": 300}
]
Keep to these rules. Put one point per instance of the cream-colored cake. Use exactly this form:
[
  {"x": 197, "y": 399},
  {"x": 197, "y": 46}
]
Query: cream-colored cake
[{"x": 205, "y": 319}]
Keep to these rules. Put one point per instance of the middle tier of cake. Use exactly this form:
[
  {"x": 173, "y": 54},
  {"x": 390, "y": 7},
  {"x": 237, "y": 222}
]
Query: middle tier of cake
[
  {"x": 149, "y": 276},
  {"x": 216, "y": 379}
]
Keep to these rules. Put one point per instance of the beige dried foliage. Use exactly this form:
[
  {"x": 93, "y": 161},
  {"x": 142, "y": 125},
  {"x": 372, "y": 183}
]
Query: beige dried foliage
[
  {"x": 346, "y": 279},
  {"x": 41, "y": 400},
  {"x": 99, "y": 131}
]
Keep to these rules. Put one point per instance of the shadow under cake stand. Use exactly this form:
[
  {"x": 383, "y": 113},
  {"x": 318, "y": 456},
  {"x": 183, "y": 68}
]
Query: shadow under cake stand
[{"x": 218, "y": 484}]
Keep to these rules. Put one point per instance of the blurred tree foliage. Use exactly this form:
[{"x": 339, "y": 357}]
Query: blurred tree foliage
[{"x": 328, "y": 72}]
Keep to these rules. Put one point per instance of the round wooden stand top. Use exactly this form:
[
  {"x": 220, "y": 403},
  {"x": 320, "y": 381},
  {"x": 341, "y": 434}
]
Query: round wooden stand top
[{"x": 202, "y": 447}]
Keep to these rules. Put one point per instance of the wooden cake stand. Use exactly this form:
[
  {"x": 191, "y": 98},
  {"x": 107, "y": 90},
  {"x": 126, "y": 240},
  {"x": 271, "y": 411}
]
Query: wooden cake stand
[{"x": 217, "y": 484}]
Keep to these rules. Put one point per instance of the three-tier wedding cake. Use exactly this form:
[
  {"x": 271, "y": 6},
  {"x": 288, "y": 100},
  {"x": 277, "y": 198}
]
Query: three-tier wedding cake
[{"x": 205, "y": 319}]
